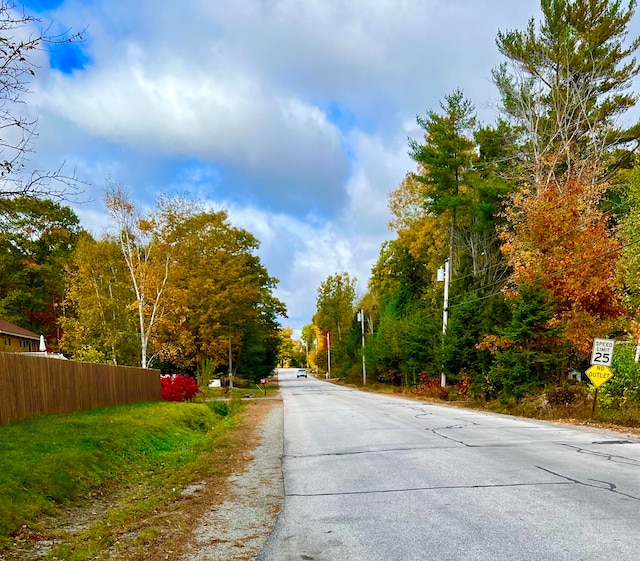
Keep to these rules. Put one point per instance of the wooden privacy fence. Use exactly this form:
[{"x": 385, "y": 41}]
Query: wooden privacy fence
[{"x": 33, "y": 385}]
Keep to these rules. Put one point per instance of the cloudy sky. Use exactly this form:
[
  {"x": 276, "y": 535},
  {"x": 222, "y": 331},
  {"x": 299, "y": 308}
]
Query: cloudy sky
[{"x": 293, "y": 115}]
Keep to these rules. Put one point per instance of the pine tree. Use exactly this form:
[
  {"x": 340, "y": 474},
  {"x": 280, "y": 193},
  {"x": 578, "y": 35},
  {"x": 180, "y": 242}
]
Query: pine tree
[
  {"x": 527, "y": 351},
  {"x": 565, "y": 85},
  {"x": 446, "y": 159}
]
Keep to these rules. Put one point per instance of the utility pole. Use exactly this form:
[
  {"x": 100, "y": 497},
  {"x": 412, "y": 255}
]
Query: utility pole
[
  {"x": 360, "y": 316},
  {"x": 230, "y": 365},
  {"x": 443, "y": 275},
  {"x": 329, "y": 353}
]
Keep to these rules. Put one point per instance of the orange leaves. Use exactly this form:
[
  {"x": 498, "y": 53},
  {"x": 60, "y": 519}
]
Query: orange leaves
[
  {"x": 561, "y": 237},
  {"x": 115, "y": 199}
]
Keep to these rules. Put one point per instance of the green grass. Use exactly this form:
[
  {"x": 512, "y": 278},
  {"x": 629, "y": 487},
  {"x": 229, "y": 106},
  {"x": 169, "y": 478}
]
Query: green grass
[
  {"x": 56, "y": 460},
  {"x": 233, "y": 393}
]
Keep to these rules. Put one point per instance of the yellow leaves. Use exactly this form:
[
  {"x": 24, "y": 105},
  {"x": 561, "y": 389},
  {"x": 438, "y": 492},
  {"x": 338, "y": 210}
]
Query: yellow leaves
[
  {"x": 177, "y": 281},
  {"x": 427, "y": 239},
  {"x": 424, "y": 234},
  {"x": 286, "y": 332},
  {"x": 133, "y": 306},
  {"x": 494, "y": 344},
  {"x": 147, "y": 225},
  {"x": 407, "y": 203}
]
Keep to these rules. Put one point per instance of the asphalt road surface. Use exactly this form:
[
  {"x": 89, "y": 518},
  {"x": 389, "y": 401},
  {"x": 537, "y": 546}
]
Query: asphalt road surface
[{"x": 373, "y": 477}]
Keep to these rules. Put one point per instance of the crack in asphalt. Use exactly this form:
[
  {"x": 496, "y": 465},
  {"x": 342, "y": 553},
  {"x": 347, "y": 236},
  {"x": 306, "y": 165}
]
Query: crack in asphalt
[
  {"x": 611, "y": 487},
  {"x": 608, "y": 486},
  {"x": 376, "y": 429},
  {"x": 435, "y": 488},
  {"x": 609, "y": 457},
  {"x": 451, "y": 427},
  {"x": 359, "y": 452},
  {"x": 580, "y": 450}
]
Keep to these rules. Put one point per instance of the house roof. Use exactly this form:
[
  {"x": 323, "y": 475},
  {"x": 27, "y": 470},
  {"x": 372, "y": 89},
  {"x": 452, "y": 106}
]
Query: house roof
[{"x": 8, "y": 328}]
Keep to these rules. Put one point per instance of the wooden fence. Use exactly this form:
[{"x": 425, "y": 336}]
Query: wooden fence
[{"x": 33, "y": 385}]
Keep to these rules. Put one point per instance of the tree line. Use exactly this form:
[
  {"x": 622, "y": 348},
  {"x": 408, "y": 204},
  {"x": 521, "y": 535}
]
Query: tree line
[
  {"x": 178, "y": 287},
  {"x": 536, "y": 217}
]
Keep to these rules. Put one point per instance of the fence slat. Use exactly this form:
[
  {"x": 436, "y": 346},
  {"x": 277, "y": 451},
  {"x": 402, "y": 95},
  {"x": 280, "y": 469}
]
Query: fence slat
[{"x": 33, "y": 385}]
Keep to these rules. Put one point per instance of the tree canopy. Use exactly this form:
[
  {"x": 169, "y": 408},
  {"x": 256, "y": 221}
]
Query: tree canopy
[
  {"x": 37, "y": 237},
  {"x": 177, "y": 286}
]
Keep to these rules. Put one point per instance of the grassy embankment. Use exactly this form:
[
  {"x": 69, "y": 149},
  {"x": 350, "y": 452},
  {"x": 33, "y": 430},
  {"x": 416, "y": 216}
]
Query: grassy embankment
[{"x": 145, "y": 452}]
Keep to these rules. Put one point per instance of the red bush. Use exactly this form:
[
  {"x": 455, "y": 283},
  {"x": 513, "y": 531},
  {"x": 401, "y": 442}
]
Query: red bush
[
  {"x": 430, "y": 387},
  {"x": 178, "y": 387}
]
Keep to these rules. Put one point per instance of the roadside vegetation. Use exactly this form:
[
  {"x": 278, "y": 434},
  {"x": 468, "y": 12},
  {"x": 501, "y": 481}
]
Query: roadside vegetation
[
  {"x": 616, "y": 404},
  {"x": 124, "y": 463},
  {"x": 516, "y": 243}
]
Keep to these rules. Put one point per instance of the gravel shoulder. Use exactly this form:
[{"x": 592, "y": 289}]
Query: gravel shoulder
[{"x": 238, "y": 528}]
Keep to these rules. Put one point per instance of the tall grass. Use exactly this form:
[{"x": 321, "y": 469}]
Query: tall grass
[{"x": 58, "y": 459}]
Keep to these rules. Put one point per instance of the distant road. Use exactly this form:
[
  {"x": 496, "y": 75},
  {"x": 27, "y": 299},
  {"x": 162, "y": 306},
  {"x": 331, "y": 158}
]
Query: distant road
[{"x": 371, "y": 477}]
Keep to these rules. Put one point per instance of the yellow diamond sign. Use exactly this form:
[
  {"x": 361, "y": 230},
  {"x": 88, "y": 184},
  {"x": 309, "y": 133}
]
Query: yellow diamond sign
[{"x": 599, "y": 374}]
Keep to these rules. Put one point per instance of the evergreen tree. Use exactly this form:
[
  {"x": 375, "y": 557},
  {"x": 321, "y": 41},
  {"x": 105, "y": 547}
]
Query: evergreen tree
[
  {"x": 446, "y": 159},
  {"x": 469, "y": 322},
  {"x": 528, "y": 351},
  {"x": 565, "y": 85}
]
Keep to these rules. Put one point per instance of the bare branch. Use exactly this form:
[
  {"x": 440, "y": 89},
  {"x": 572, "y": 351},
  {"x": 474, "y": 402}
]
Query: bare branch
[{"x": 17, "y": 46}]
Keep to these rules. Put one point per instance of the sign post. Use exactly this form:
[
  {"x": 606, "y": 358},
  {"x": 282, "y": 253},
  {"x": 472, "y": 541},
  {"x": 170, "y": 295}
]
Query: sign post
[{"x": 600, "y": 370}]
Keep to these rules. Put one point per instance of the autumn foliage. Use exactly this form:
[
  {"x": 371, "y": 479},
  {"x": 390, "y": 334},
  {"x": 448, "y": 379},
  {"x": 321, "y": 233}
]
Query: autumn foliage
[
  {"x": 178, "y": 387},
  {"x": 558, "y": 235}
]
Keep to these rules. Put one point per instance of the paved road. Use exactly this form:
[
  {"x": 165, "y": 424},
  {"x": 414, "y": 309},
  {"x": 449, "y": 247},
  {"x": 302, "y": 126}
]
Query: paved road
[{"x": 371, "y": 477}]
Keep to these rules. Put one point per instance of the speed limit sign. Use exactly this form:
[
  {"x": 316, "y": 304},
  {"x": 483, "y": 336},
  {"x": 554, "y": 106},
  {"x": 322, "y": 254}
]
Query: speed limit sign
[{"x": 602, "y": 353}]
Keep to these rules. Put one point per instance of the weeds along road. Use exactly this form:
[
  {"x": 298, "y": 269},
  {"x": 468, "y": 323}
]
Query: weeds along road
[{"x": 373, "y": 477}]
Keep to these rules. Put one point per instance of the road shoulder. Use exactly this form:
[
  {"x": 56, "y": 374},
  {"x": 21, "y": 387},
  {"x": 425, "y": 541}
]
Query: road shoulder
[{"x": 237, "y": 528}]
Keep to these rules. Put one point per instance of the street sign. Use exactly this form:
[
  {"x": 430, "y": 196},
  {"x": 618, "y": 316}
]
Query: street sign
[
  {"x": 602, "y": 353},
  {"x": 599, "y": 374}
]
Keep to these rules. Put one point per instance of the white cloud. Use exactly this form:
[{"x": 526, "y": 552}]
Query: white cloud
[
  {"x": 185, "y": 110},
  {"x": 291, "y": 114},
  {"x": 380, "y": 168}
]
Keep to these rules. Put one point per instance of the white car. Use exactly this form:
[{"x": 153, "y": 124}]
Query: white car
[{"x": 301, "y": 372}]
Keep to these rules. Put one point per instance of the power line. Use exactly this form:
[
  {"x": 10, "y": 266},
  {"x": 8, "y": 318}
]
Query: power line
[
  {"x": 551, "y": 274},
  {"x": 506, "y": 265},
  {"x": 556, "y": 238}
]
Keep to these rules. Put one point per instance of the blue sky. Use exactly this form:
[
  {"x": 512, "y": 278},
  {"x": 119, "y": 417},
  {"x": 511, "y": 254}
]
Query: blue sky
[{"x": 293, "y": 115}]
